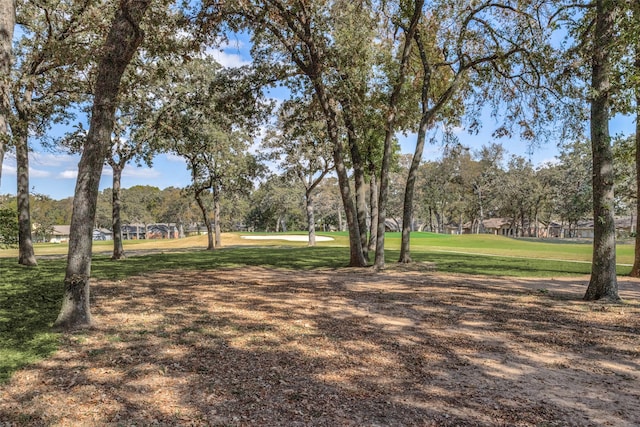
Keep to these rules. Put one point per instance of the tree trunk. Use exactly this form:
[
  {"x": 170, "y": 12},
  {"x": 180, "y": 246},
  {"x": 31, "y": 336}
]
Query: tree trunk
[
  {"x": 216, "y": 217},
  {"x": 390, "y": 132},
  {"x": 26, "y": 256},
  {"x": 7, "y": 24},
  {"x": 356, "y": 258},
  {"x": 116, "y": 204},
  {"x": 409, "y": 191},
  {"x": 635, "y": 270},
  {"x": 122, "y": 41},
  {"x": 358, "y": 177},
  {"x": 603, "y": 283},
  {"x": 373, "y": 201},
  {"x": 207, "y": 221},
  {"x": 311, "y": 222}
]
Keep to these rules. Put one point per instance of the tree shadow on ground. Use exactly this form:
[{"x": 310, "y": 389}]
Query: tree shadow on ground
[{"x": 257, "y": 346}]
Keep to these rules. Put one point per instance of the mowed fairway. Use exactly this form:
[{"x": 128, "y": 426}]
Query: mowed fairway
[{"x": 423, "y": 246}]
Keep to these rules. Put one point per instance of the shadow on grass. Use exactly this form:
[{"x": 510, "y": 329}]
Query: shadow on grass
[
  {"x": 30, "y": 297},
  {"x": 29, "y": 302}
]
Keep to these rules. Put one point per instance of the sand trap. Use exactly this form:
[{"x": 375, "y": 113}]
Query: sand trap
[{"x": 289, "y": 237}]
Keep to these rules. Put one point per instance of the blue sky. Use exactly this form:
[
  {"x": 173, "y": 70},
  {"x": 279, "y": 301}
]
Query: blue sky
[{"x": 54, "y": 174}]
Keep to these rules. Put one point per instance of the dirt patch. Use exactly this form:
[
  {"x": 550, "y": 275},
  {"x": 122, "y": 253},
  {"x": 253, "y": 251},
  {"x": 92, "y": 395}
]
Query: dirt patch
[{"x": 256, "y": 346}]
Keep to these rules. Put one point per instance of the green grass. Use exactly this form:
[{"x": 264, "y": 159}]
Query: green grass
[
  {"x": 29, "y": 302},
  {"x": 30, "y": 297}
]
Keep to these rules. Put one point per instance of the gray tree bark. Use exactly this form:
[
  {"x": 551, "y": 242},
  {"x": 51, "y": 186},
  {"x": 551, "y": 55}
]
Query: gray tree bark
[
  {"x": 26, "y": 255},
  {"x": 7, "y": 24},
  {"x": 206, "y": 219},
  {"x": 390, "y": 132},
  {"x": 216, "y": 216},
  {"x": 603, "y": 283},
  {"x": 122, "y": 42},
  {"x": 635, "y": 270},
  {"x": 311, "y": 221},
  {"x": 116, "y": 207},
  {"x": 373, "y": 206}
]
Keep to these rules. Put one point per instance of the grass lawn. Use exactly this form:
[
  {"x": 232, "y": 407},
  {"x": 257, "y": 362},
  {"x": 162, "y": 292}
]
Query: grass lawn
[{"x": 30, "y": 297}]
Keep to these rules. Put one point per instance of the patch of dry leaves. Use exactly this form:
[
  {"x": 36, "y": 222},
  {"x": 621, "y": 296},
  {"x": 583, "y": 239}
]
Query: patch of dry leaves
[{"x": 256, "y": 346}]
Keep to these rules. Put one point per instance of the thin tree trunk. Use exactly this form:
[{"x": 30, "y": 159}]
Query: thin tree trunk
[
  {"x": 390, "y": 132},
  {"x": 407, "y": 207},
  {"x": 207, "y": 221},
  {"x": 358, "y": 177},
  {"x": 311, "y": 222},
  {"x": 26, "y": 256},
  {"x": 122, "y": 41},
  {"x": 603, "y": 283},
  {"x": 4, "y": 136},
  {"x": 116, "y": 205},
  {"x": 216, "y": 217},
  {"x": 7, "y": 24},
  {"x": 373, "y": 201}
]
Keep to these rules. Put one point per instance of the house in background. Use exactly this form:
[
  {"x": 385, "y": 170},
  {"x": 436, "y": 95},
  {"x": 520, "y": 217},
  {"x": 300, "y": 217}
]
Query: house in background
[
  {"x": 162, "y": 231},
  {"x": 102, "y": 234},
  {"x": 60, "y": 234}
]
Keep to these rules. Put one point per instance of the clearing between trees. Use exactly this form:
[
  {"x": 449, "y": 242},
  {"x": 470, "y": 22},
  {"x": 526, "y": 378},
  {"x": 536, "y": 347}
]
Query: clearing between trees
[{"x": 259, "y": 346}]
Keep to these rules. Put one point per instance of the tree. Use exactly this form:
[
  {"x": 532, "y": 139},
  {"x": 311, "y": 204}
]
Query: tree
[
  {"x": 469, "y": 52},
  {"x": 299, "y": 142},
  {"x": 635, "y": 23},
  {"x": 206, "y": 115},
  {"x": 406, "y": 22},
  {"x": 7, "y": 24},
  {"x": 50, "y": 74},
  {"x": 301, "y": 33},
  {"x": 125, "y": 35},
  {"x": 603, "y": 283},
  {"x": 277, "y": 205}
]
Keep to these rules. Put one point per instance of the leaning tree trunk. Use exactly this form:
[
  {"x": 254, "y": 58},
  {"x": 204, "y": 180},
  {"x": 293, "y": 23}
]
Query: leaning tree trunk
[
  {"x": 116, "y": 218},
  {"x": 407, "y": 207},
  {"x": 603, "y": 283},
  {"x": 7, "y": 24},
  {"x": 207, "y": 221},
  {"x": 356, "y": 254},
  {"x": 390, "y": 124},
  {"x": 216, "y": 217},
  {"x": 373, "y": 198},
  {"x": 311, "y": 221},
  {"x": 26, "y": 256},
  {"x": 122, "y": 41}
]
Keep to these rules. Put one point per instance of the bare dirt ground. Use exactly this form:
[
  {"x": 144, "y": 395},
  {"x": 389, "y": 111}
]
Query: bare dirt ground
[{"x": 256, "y": 346}]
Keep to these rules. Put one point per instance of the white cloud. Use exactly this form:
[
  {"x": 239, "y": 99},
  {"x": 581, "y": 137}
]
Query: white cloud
[
  {"x": 68, "y": 174},
  {"x": 140, "y": 173},
  {"x": 8, "y": 170},
  {"x": 226, "y": 59},
  {"x": 53, "y": 160},
  {"x": 38, "y": 173}
]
